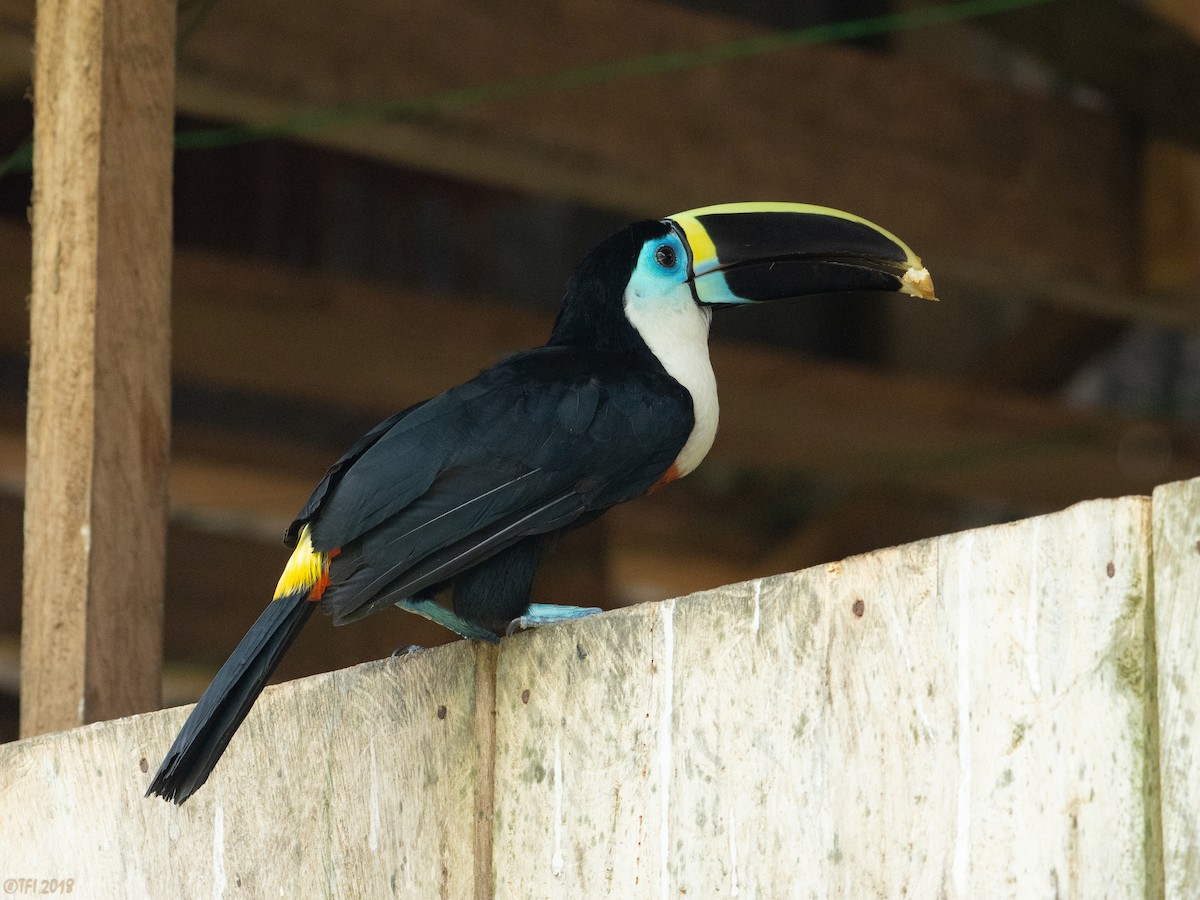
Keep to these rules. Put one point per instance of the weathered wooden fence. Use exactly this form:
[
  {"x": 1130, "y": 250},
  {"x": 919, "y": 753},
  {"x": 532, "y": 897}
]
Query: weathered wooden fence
[{"x": 1006, "y": 712}]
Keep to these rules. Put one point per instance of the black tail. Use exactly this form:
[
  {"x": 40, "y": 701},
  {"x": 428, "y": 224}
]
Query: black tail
[{"x": 217, "y": 715}]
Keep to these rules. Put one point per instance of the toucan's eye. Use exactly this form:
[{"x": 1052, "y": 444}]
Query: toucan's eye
[{"x": 664, "y": 255}]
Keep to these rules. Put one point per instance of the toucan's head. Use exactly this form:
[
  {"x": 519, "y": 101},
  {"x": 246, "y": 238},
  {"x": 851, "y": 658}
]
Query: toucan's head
[{"x": 669, "y": 274}]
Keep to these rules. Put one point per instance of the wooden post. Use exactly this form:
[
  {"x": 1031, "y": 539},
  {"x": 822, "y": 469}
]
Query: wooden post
[{"x": 98, "y": 430}]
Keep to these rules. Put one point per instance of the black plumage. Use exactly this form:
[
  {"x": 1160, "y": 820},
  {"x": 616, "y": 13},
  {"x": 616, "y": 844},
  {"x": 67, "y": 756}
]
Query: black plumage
[
  {"x": 466, "y": 490},
  {"x": 545, "y": 440},
  {"x": 526, "y": 449}
]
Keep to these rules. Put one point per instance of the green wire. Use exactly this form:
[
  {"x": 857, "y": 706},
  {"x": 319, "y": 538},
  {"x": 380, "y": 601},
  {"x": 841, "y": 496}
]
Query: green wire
[
  {"x": 21, "y": 158},
  {"x": 315, "y": 120}
]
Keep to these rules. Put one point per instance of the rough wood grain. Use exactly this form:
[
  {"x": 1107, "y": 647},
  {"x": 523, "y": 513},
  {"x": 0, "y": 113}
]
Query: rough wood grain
[
  {"x": 1177, "y": 617},
  {"x": 932, "y": 720},
  {"x": 98, "y": 423},
  {"x": 359, "y": 783}
]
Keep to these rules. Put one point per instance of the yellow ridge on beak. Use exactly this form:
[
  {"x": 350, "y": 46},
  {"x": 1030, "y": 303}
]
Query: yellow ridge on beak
[{"x": 749, "y": 252}]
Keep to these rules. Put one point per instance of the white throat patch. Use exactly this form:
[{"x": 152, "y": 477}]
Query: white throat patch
[{"x": 675, "y": 329}]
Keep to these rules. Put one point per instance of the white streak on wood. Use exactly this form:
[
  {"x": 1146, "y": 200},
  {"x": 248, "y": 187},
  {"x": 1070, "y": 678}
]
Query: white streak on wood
[
  {"x": 1031, "y": 616},
  {"x": 1177, "y": 616},
  {"x": 556, "y": 863},
  {"x": 902, "y": 644},
  {"x": 373, "y": 834},
  {"x": 665, "y": 750},
  {"x": 733, "y": 861},
  {"x": 962, "y": 839},
  {"x": 219, "y": 880},
  {"x": 754, "y": 622}
]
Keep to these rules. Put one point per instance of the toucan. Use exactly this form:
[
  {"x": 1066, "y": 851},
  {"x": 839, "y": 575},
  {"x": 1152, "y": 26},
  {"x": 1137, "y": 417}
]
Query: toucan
[{"x": 466, "y": 490}]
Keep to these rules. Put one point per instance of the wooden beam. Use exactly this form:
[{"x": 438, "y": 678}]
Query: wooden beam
[
  {"x": 1171, "y": 218},
  {"x": 1046, "y": 351},
  {"x": 970, "y": 173},
  {"x": 1007, "y": 185},
  {"x": 1146, "y": 59},
  {"x": 1139, "y": 57},
  {"x": 267, "y": 330},
  {"x": 1171, "y": 189},
  {"x": 778, "y": 411},
  {"x": 99, "y": 376},
  {"x": 997, "y": 186}
]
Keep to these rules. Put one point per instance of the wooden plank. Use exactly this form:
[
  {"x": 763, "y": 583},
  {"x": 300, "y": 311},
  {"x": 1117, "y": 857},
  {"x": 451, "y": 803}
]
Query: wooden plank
[
  {"x": 1177, "y": 618},
  {"x": 1171, "y": 223},
  {"x": 929, "y": 720},
  {"x": 359, "y": 783},
  {"x": 99, "y": 372},
  {"x": 778, "y": 411}
]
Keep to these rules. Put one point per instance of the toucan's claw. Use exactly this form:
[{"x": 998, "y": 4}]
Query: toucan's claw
[
  {"x": 540, "y": 614},
  {"x": 407, "y": 651},
  {"x": 447, "y": 618}
]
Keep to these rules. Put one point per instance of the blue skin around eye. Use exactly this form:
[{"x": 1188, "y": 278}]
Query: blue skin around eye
[
  {"x": 711, "y": 288},
  {"x": 648, "y": 265}
]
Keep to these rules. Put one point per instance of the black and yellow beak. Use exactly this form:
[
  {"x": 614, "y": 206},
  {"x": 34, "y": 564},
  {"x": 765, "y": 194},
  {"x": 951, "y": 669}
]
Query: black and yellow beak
[{"x": 752, "y": 252}]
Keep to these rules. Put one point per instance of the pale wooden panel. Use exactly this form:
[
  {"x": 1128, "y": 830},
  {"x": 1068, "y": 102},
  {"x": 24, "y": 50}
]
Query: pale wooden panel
[
  {"x": 583, "y": 725},
  {"x": 979, "y": 724},
  {"x": 956, "y": 717},
  {"x": 352, "y": 784},
  {"x": 1177, "y": 617},
  {"x": 99, "y": 375},
  {"x": 1051, "y": 651}
]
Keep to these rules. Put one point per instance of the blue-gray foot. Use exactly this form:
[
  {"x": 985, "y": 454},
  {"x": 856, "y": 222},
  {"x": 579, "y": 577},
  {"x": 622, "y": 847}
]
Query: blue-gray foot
[{"x": 540, "y": 614}]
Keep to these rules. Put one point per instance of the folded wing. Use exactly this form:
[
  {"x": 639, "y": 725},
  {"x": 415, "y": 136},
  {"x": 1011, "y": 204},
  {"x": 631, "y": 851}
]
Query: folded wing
[{"x": 546, "y": 439}]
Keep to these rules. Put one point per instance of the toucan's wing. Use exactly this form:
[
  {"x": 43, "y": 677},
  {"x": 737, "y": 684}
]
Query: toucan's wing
[
  {"x": 335, "y": 472},
  {"x": 526, "y": 448}
]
